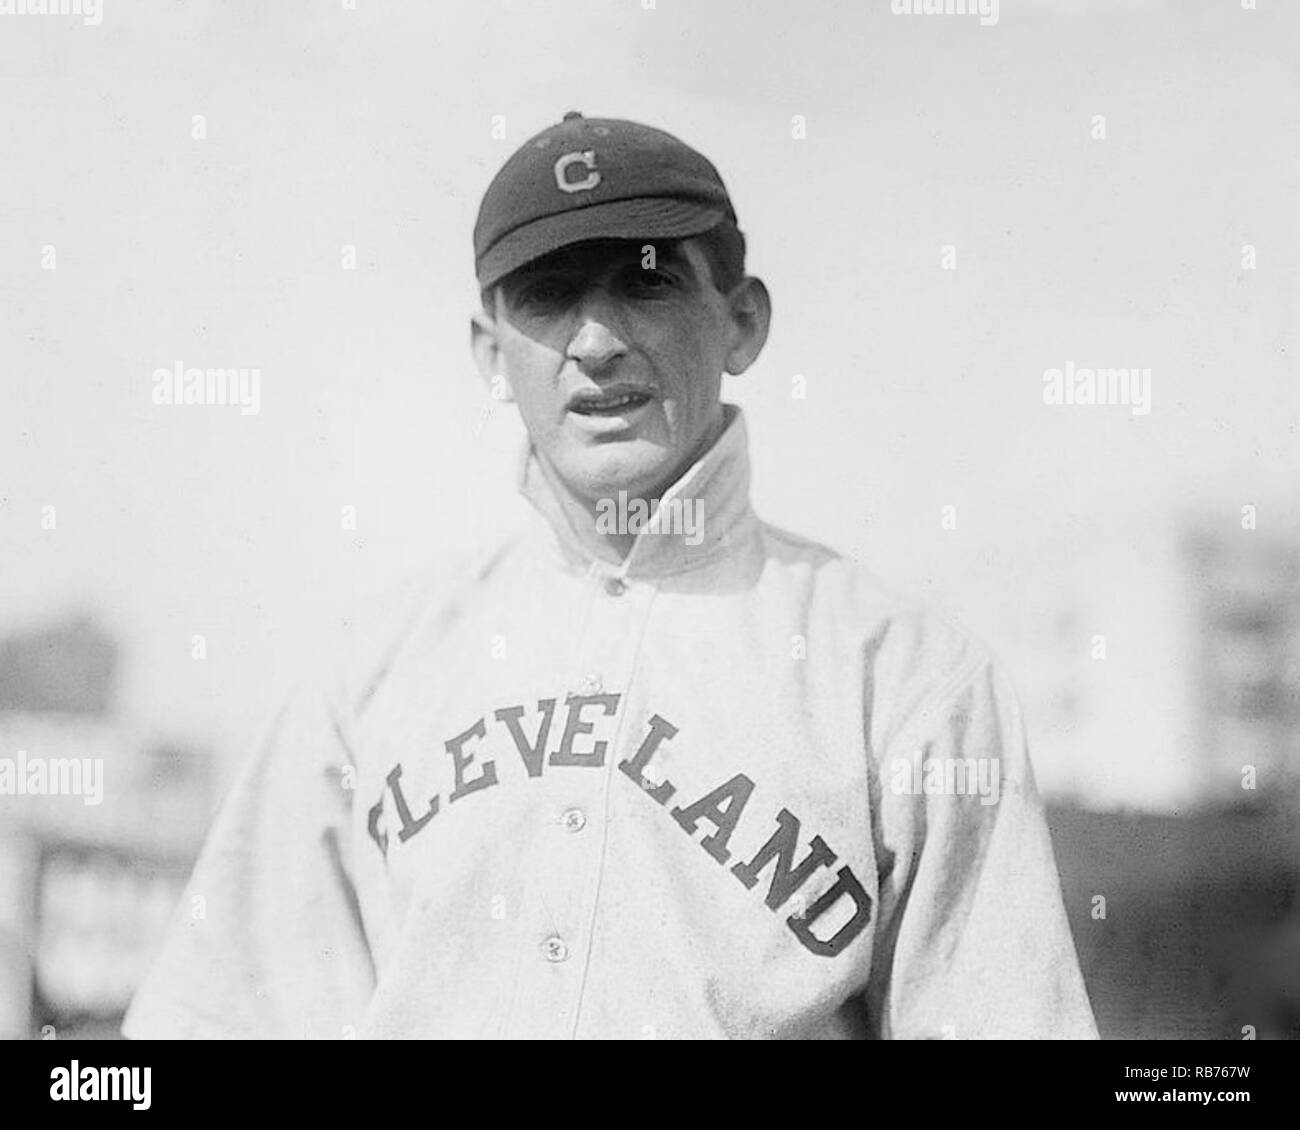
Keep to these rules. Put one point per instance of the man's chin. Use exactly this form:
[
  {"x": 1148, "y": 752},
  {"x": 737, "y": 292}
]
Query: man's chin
[{"x": 639, "y": 468}]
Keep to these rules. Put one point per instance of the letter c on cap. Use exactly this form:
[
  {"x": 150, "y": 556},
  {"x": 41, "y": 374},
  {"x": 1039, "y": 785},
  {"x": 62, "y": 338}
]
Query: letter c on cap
[{"x": 586, "y": 157}]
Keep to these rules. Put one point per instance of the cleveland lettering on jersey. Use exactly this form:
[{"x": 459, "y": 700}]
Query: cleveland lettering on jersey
[{"x": 720, "y": 809}]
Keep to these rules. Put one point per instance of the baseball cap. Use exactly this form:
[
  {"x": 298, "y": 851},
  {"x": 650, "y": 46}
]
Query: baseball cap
[{"x": 593, "y": 178}]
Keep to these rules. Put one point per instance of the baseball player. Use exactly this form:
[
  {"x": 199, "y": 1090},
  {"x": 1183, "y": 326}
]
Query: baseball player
[{"x": 649, "y": 767}]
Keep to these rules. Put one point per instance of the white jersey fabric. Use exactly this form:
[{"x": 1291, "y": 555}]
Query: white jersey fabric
[{"x": 560, "y": 798}]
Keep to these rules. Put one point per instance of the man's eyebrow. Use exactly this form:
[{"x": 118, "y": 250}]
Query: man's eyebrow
[
  {"x": 665, "y": 252},
  {"x": 542, "y": 267}
]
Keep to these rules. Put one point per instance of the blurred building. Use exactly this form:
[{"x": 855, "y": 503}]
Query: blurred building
[
  {"x": 85, "y": 888},
  {"x": 1246, "y": 666},
  {"x": 1161, "y": 672},
  {"x": 64, "y": 669}
]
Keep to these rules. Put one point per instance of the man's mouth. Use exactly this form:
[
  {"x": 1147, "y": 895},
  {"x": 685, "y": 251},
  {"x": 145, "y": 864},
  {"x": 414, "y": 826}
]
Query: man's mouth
[{"x": 609, "y": 401}]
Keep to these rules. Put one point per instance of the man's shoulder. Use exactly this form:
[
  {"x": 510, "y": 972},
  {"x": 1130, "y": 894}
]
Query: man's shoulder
[
  {"x": 911, "y": 651},
  {"x": 364, "y": 643},
  {"x": 865, "y": 599}
]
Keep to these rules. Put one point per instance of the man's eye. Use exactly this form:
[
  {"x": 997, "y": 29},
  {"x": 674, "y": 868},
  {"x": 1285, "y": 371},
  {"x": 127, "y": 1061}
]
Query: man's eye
[
  {"x": 544, "y": 292},
  {"x": 641, "y": 279}
]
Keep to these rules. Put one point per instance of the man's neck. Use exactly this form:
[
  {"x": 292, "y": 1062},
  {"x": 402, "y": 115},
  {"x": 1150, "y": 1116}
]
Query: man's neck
[{"x": 581, "y": 512}]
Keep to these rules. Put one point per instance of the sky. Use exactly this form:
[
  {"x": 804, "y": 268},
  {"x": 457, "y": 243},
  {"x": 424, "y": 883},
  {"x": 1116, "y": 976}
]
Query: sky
[{"x": 857, "y": 145}]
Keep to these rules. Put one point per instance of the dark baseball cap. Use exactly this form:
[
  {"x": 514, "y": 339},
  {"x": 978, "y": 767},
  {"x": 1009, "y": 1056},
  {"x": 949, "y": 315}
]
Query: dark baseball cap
[{"x": 593, "y": 178}]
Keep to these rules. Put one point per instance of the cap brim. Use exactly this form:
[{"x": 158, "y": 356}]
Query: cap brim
[{"x": 643, "y": 218}]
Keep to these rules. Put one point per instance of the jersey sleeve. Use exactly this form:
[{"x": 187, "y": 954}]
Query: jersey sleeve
[
  {"x": 267, "y": 941},
  {"x": 972, "y": 936}
]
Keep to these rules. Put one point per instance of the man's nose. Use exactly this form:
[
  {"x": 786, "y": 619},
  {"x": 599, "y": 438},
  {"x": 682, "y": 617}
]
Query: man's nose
[{"x": 596, "y": 342}]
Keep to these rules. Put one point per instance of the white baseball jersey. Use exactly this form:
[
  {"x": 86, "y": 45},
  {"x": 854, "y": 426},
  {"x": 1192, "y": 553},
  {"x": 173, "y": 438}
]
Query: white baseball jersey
[{"x": 728, "y": 788}]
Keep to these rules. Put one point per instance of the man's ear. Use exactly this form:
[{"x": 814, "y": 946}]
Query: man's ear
[
  {"x": 750, "y": 307},
  {"x": 486, "y": 347}
]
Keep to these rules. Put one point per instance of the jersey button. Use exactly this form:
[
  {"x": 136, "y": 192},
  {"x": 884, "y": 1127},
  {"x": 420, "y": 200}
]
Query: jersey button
[
  {"x": 554, "y": 949},
  {"x": 615, "y": 586},
  {"x": 573, "y": 820},
  {"x": 591, "y": 684}
]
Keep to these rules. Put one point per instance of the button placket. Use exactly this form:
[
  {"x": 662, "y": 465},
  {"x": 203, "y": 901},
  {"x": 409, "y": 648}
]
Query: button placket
[
  {"x": 562, "y": 868},
  {"x": 612, "y": 647},
  {"x": 602, "y": 657}
]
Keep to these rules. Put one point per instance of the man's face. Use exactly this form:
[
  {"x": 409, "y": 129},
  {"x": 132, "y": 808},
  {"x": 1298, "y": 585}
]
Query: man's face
[{"x": 616, "y": 365}]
